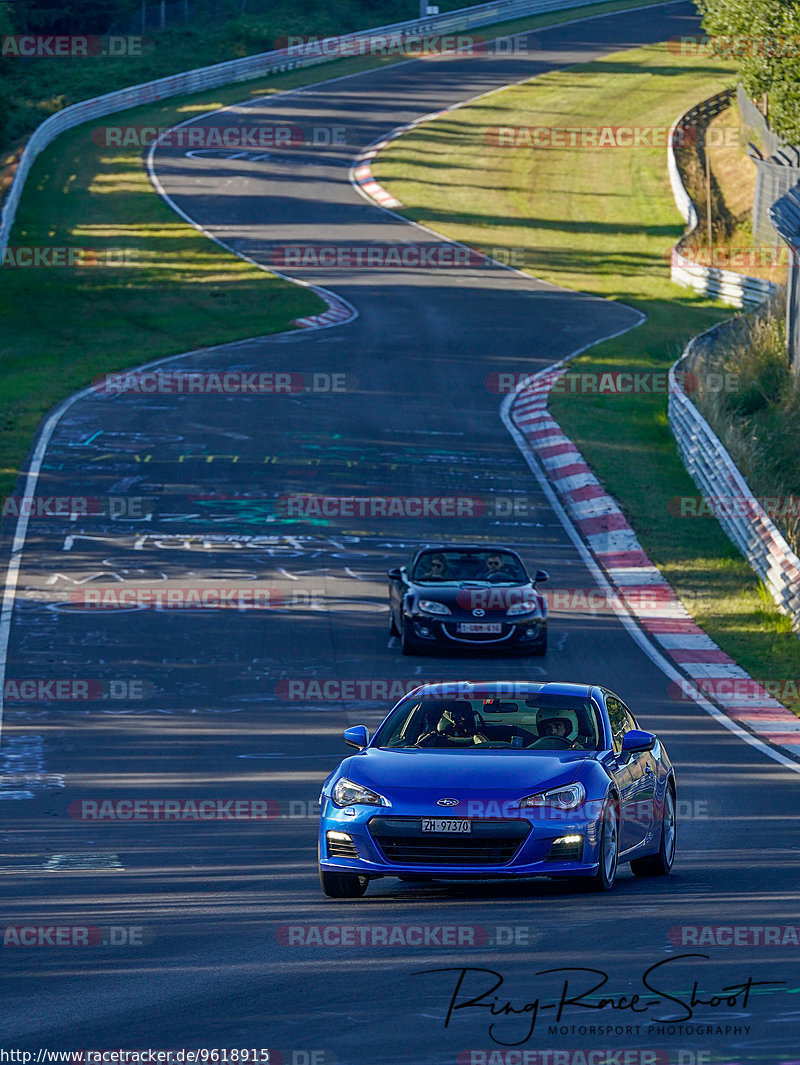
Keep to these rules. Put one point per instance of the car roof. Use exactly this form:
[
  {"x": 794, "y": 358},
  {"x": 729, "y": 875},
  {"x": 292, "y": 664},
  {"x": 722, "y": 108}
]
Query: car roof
[
  {"x": 461, "y": 688},
  {"x": 468, "y": 547}
]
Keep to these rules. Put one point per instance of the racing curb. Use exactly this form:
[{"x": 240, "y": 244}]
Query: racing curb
[
  {"x": 705, "y": 674},
  {"x": 362, "y": 176},
  {"x": 639, "y": 584},
  {"x": 338, "y": 312}
]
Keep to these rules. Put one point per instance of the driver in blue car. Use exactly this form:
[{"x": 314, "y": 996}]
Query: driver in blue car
[
  {"x": 557, "y": 728},
  {"x": 458, "y": 726}
]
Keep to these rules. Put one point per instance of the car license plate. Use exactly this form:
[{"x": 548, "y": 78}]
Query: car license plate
[
  {"x": 445, "y": 824},
  {"x": 479, "y": 626}
]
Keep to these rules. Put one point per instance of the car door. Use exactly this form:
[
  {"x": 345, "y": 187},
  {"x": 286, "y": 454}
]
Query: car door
[
  {"x": 646, "y": 786},
  {"x": 398, "y": 586},
  {"x": 628, "y": 775},
  {"x": 640, "y": 811}
]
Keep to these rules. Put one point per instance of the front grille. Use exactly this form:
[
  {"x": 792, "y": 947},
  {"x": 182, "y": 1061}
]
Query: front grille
[
  {"x": 340, "y": 848},
  {"x": 401, "y": 840}
]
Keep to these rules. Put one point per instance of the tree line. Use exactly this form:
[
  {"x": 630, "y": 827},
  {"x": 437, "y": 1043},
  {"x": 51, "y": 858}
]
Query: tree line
[{"x": 764, "y": 37}]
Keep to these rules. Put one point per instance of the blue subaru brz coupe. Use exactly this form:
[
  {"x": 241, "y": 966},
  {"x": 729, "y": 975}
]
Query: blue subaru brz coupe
[{"x": 503, "y": 779}]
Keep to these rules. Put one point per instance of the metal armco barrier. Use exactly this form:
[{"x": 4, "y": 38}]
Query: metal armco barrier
[
  {"x": 785, "y": 217},
  {"x": 250, "y": 67},
  {"x": 775, "y": 174},
  {"x": 727, "y": 285},
  {"x": 738, "y": 512}
]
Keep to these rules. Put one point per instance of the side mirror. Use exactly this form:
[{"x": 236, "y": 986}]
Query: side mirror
[
  {"x": 358, "y": 736},
  {"x": 395, "y": 574},
  {"x": 637, "y": 740},
  {"x": 541, "y": 577}
]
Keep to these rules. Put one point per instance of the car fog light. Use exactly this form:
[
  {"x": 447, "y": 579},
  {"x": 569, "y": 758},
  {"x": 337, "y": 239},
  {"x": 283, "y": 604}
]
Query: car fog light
[
  {"x": 424, "y": 630},
  {"x": 530, "y": 632}
]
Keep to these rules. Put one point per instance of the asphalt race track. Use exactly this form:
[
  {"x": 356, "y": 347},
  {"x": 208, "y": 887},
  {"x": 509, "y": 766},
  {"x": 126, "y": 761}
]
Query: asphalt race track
[{"x": 217, "y": 704}]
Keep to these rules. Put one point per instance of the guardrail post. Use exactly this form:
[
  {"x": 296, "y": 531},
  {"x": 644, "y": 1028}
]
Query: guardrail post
[{"x": 785, "y": 217}]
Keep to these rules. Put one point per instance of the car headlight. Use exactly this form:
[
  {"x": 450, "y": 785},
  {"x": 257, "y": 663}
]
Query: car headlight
[
  {"x": 429, "y": 606},
  {"x": 565, "y": 798},
  {"x": 346, "y": 793},
  {"x": 522, "y": 608}
]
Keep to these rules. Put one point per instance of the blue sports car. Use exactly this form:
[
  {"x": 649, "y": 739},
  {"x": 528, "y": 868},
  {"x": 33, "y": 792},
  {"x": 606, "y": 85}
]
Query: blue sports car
[{"x": 502, "y": 779}]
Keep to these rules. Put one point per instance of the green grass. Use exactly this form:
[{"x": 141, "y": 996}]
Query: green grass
[
  {"x": 30, "y": 90},
  {"x": 62, "y": 327},
  {"x": 602, "y": 221}
]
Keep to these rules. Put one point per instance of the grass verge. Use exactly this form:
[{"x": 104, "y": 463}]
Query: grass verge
[
  {"x": 602, "y": 220},
  {"x": 62, "y": 327}
]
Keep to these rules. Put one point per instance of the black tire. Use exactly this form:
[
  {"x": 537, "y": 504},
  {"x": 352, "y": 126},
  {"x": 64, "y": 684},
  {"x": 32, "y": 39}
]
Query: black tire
[
  {"x": 342, "y": 885},
  {"x": 661, "y": 864},
  {"x": 603, "y": 879},
  {"x": 407, "y": 647},
  {"x": 393, "y": 629}
]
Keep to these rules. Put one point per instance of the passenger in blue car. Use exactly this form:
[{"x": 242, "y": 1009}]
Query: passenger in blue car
[
  {"x": 557, "y": 728},
  {"x": 458, "y": 727}
]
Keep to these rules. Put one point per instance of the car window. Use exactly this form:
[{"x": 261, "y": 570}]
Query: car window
[
  {"x": 490, "y": 723},
  {"x": 496, "y": 567},
  {"x": 619, "y": 717},
  {"x": 629, "y": 718}
]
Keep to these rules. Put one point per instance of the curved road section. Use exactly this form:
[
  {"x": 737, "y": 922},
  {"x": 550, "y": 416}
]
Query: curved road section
[{"x": 196, "y": 642}]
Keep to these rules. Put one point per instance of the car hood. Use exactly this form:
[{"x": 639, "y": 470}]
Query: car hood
[
  {"x": 496, "y": 596},
  {"x": 468, "y": 772}
]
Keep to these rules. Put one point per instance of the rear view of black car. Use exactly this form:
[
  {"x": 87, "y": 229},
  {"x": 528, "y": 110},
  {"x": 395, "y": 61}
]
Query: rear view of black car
[{"x": 468, "y": 598}]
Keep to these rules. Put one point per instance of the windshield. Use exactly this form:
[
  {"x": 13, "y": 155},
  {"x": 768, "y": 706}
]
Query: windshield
[
  {"x": 531, "y": 723},
  {"x": 495, "y": 567}
]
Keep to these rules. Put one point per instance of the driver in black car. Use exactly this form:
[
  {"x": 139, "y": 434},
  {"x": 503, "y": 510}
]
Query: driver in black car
[{"x": 496, "y": 568}]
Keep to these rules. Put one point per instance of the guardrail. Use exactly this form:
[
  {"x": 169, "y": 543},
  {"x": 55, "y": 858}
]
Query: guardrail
[
  {"x": 727, "y": 285},
  {"x": 739, "y": 513},
  {"x": 785, "y": 217},
  {"x": 246, "y": 69}
]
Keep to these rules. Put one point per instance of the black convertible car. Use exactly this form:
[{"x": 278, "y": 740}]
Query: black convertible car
[{"x": 468, "y": 597}]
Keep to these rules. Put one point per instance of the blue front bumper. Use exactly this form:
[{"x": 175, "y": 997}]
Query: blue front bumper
[{"x": 533, "y": 832}]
